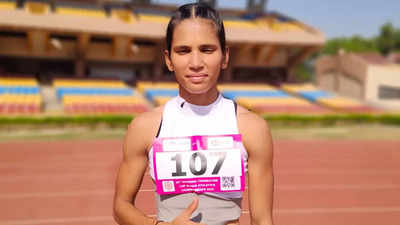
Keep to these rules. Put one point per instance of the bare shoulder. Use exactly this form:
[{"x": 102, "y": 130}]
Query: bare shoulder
[
  {"x": 255, "y": 132},
  {"x": 142, "y": 130},
  {"x": 146, "y": 119},
  {"x": 249, "y": 121}
]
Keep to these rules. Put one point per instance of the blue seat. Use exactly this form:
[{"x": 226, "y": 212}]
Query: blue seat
[
  {"x": 151, "y": 93},
  {"x": 19, "y": 90},
  {"x": 314, "y": 95},
  {"x": 93, "y": 91},
  {"x": 255, "y": 94}
]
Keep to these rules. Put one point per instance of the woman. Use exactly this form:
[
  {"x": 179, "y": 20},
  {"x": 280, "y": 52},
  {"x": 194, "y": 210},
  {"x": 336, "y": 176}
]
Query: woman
[{"x": 196, "y": 53}]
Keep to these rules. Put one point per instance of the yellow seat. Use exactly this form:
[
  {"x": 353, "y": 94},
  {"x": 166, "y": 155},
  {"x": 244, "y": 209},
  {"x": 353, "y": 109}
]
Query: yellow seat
[
  {"x": 80, "y": 12},
  {"x": 240, "y": 24},
  {"x": 250, "y": 87},
  {"x": 153, "y": 18},
  {"x": 294, "y": 88},
  {"x": 37, "y": 7},
  {"x": 123, "y": 15},
  {"x": 143, "y": 85},
  {"x": 7, "y": 5},
  {"x": 339, "y": 102},
  {"x": 161, "y": 100}
]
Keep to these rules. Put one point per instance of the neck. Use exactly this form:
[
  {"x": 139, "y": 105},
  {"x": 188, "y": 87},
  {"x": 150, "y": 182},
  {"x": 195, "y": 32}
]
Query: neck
[{"x": 199, "y": 99}]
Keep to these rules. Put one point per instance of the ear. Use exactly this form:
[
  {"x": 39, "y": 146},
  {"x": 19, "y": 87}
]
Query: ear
[
  {"x": 168, "y": 61},
  {"x": 225, "y": 59}
]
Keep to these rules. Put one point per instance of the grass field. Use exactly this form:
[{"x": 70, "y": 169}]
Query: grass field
[{"x": 345, "y": 132}]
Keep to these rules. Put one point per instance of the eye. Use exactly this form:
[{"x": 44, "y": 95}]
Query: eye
[
  {"x": 182, "y": 51},
  {"x": 207, "y": 49}
]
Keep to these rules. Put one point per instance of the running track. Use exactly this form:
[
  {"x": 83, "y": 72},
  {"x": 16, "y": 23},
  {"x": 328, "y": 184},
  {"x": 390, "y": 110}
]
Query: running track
[{"x": 316, "y": 183}]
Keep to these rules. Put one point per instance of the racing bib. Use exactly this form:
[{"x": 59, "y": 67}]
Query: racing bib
[{"x": 198, "y": 164}]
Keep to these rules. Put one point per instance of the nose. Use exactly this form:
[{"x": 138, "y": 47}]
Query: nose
[{"x": 196, "y": 62}]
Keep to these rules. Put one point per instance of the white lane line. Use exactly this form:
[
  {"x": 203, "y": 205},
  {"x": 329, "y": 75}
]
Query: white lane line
[
  {"x": 78, "y": 220},
  {"x": 334, "y": 172},
  {"x": 62, "y": 176},
  {"x": 338, "y": 210},
  {"x": 59, "y": 220},
  {"x": 337, "y": 187},
  {"x": 275, "y": 211},
  {"x": 59, "y": 176},
  {"x": 334, "y": 210},
  {"x": 62, "y": 194},
  {"x": 111, "y": 192}
]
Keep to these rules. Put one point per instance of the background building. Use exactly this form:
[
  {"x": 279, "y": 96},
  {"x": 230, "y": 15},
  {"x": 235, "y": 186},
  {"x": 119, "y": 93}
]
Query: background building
[
  {"x": 368, "y": 77},
  {"x": 125, "y": 39}
]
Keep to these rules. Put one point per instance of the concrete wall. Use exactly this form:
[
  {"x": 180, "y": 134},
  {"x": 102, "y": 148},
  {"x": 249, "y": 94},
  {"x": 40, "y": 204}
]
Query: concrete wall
[
  {"x": 350, "y": 87},
  {"x": 327, "y": 81},
  {"x": 382, "y": 75}
]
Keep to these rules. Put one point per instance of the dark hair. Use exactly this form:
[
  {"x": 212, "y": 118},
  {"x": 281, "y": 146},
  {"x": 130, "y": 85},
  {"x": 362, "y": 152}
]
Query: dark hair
[{"x": 195, "y": 10}]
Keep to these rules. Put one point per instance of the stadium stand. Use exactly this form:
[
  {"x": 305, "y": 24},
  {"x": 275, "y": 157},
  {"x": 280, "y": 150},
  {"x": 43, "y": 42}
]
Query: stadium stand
[
  {"x": 98, "y": 96},
  {"x": 327, "y": 99},
  {"x": 7, "y": 5},
  {"x": 37, "y": 7},
  {"x": 19, "y": 96},
  {"x": 158, "y": 92},
  {"x": 79, "y": 9},
  {"x": 256, "y": 97},
  {"x": 267, "y": 99},
  {"x": 123, "y": 15}
]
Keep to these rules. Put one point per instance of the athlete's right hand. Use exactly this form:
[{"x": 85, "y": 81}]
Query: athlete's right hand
[{"x": 184, "y": 217}]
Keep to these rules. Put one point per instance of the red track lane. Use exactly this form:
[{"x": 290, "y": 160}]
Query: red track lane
[{"x": 316, "y": 182}]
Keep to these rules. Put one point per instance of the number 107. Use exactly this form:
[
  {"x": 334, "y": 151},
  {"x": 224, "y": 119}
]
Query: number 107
[{"x": 192, "y": 162}]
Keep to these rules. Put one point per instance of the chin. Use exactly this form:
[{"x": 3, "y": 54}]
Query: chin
[{"x": 196, "y": 89}]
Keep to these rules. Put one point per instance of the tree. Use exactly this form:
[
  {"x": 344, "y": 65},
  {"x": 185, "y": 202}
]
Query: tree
[{"x": 387, "y": 38}]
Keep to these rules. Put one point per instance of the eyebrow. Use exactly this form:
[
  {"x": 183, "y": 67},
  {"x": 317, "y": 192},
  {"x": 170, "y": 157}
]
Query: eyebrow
[{"x": 201, "y": 46}]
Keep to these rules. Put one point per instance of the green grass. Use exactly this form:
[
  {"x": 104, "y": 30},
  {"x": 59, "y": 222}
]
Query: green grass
[
  {"x": 123, "y": 120},
  {"x": 337, "y": 126},
  {"x": 339, "y": 132}
]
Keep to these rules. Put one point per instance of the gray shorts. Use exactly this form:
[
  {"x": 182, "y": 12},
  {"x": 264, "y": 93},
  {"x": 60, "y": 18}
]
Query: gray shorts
[{"x": 211, "y": 210}]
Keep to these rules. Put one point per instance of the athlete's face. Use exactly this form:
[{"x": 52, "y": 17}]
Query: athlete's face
[{"x": 196, "y": 57}]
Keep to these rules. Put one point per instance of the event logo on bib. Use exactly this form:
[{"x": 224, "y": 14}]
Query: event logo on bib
[{"x": 198, "y": 164}]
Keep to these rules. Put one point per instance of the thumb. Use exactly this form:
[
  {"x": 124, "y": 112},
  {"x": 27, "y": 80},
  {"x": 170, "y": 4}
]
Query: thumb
[{"x": 192, "y": 207}]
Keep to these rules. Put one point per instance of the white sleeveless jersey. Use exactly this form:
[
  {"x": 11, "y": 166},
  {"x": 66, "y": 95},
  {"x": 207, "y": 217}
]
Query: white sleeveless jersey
[{"x": 181, "y": 119}]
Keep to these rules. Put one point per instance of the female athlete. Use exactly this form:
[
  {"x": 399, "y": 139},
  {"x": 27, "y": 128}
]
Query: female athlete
[{"x": 196, "y": 53}]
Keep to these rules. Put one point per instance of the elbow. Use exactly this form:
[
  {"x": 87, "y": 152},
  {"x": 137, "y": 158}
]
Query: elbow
[
  {"x": 117, "y": 212},
  {"x": 261, "y": 221}
]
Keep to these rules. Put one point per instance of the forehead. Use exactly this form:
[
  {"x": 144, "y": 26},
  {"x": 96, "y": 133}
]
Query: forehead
[{"x": 195, "y": 30}]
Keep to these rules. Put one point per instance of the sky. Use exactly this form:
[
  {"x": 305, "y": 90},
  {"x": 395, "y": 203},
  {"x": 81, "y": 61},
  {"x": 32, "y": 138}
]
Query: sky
[{"x": 341, "y": 18}]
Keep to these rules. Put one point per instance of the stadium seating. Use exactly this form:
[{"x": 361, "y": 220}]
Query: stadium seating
[
  {"x": 256, "y": 97},
  {"x": 327, "y": 99},
  {"x": 123, "y": 15},
  {"x": 37, "y": 7},
  {"x": 159, "y": 92},
  {"x": 267, "y": 99},
  {"x": 240, "y": 23},
  {"x": 7, "y": 5},
  {"x": 19, "y": 96},
  {"x": 98, "y": 96},
  {"x": 79, "y": 9},
  {"x": 153, "y": 18}
]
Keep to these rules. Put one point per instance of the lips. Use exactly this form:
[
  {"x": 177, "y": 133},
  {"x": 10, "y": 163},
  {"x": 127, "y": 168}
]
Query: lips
[{"x": 197, "y": 78}]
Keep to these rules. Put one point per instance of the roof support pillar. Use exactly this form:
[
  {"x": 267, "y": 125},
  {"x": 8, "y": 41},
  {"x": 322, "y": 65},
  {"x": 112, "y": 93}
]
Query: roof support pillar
[
  {"x": 38, "y": 42},
  {"x": 81, "y": 49},
  {"x": 295, "y": 60}
]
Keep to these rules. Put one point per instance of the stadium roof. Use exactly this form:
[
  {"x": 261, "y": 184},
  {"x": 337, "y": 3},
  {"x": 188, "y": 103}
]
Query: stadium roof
[{"x": 271, "y": 28}]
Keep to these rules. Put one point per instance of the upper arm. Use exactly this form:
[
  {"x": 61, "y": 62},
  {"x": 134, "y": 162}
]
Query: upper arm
[
  {"x": 137, "y": 140},
  {"x": 258, "y": 142}
]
